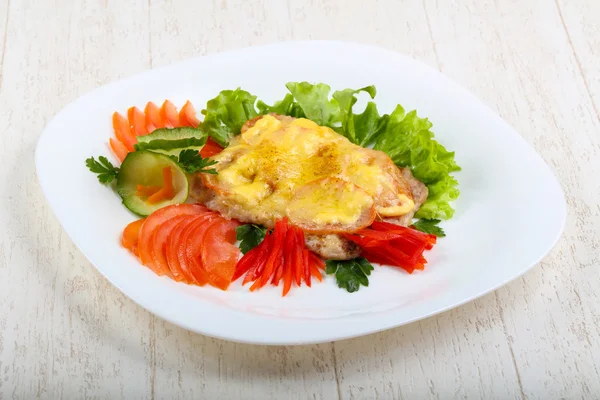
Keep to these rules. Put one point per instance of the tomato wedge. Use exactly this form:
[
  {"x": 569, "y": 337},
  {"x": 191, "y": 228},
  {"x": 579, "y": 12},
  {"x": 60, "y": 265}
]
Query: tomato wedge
[
  {"x": 219, "y": 254},
  {"x": 210, "y": 149},
  {"x": 153, "y": 118},
  {"x": 187, "y": 115},
  {"x": 156, "y": 219},
  {"x": 168, "y": 113}
]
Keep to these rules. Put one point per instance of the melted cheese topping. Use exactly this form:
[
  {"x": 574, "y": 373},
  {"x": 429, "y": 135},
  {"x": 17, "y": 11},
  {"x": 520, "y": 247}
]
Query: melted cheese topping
[{"x": 271, "y": 169}]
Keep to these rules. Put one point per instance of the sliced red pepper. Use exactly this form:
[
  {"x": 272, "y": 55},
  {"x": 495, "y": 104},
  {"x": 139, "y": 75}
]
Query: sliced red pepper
[
  {"x": 314, "y": 270},
  {"x": 274, "y": 259},
  {"x": 288, "y": 245},
  {"x": 318, "y": 261},
  {"x": 306, "y": 266},
  {"x": 246, "y": 262},
  {"x": 299, "y": 257},
  {"x": 261, "y": 260},
  {"x": 287, "y": 280}
]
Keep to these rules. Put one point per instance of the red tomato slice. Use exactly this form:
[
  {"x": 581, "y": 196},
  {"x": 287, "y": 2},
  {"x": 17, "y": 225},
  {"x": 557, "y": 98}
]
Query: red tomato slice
[
  {"x": 153, "y": 118},
  {"x": 219, "y": 254},
  {"x": 159, "y": 239},
  {"x": 190, "y": 248},
  {"x": 156, "y": 219},
  {"x": 210, "y": 149},
  {"x": 179, "y": 271}
]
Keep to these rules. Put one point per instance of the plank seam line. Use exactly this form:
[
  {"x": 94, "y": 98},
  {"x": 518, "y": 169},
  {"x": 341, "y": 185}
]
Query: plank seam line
[
  {"x": 510, "y": 347},
  {"x": 577, "y": 61},
  {"x": 335, "y": 371},
  {"x": 435, "y": 52},
  {"x": 150, "y": 33},
  {"x": 4, "y": 44}
]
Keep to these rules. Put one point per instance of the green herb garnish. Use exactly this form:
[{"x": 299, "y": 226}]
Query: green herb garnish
[
  {"x": 350, "y": 274},
  {"x": 429, "y": 226},
  {"x": 192, "y": 162},
  {"x": 250, "y": 236},
  {"x": 105, "y": 170}
]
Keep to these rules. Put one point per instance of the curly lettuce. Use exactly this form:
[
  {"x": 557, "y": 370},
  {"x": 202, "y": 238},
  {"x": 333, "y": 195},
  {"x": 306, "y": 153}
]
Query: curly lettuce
[
  {"x": 405, "y": 137},
  {"x": 409, "y": 142}
]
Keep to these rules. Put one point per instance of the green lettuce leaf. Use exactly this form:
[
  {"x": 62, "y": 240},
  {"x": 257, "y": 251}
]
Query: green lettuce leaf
[
  {"x": 408, "y": 140},
  {"x": 359, "y": 128},
  {"x": 226, "y": 113},
  {"x": 315, "y": 103}
]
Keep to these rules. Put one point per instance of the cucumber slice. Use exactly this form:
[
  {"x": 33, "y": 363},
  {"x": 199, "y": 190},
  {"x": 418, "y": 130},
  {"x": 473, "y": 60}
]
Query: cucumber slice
[
  {"x": 172, "y": 147},
  {"x": 175, "y": 152},
  {"x": 145, "y": 168},
  {"x": 173, "y": 134},
  {"x": 172, "y": 141}
]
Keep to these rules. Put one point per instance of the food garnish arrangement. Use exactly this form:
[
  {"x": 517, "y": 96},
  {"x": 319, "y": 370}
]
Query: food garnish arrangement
[{"x": 279, "y": 194}]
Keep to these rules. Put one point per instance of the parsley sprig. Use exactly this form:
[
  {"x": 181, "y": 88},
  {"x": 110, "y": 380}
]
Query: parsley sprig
[
  {"x": 429, "y": 226},
  {"x": 350, "y": 274},
  {"x": 192, "y": 162},
  {"x": 104, "y": 168},
  {"x": 250, "y": 236}
]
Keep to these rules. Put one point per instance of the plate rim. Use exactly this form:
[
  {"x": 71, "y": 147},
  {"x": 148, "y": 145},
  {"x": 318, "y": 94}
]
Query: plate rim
[{"x": 327, "y": 337}]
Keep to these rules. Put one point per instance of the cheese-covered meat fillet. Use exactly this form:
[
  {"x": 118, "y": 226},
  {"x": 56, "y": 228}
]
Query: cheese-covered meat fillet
[{"x": 283, "y": 166}]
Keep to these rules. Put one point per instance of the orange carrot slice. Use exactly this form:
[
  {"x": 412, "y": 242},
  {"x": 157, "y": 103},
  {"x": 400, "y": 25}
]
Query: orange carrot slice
[
  {"x": 118, "y": 148},
  {"x": 137, "y": 120},
  {"x": 167, "y": 192},
  {"x": 146, "y": 191},
  {"x": 187, "y": 115},
  {"x": 123, "y": 131},
  {"x": 168, "y": 113},
  {"x": 153, "y": 118}
]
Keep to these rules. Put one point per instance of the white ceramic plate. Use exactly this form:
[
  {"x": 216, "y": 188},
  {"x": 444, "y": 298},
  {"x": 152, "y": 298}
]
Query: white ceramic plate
[{"x": 510, "y": 213}]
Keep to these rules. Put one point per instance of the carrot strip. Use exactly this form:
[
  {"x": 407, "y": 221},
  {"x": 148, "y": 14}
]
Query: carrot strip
[
  {"x": 137, "y": 120},
  {"x": 187, "y": 115},
  {"x": 118, "y": 148},
  {"x": 153, "y": 118},
  {"x": 146, "y": 191},
  {"x": 123, "y": 131},
  {"x": 168, "y": 113},
  {"x": 167, "y": 192}
]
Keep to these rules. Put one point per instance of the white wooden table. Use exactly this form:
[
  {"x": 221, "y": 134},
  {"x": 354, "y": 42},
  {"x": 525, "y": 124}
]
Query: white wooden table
[{"x": 66, "y": 333}]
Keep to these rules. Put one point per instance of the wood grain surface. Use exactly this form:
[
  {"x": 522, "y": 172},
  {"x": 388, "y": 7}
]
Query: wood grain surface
[{"x": 65, "y": 332}]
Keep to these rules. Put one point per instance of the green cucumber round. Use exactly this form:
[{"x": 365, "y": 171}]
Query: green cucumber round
[{"x": 145, "y": 168}]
